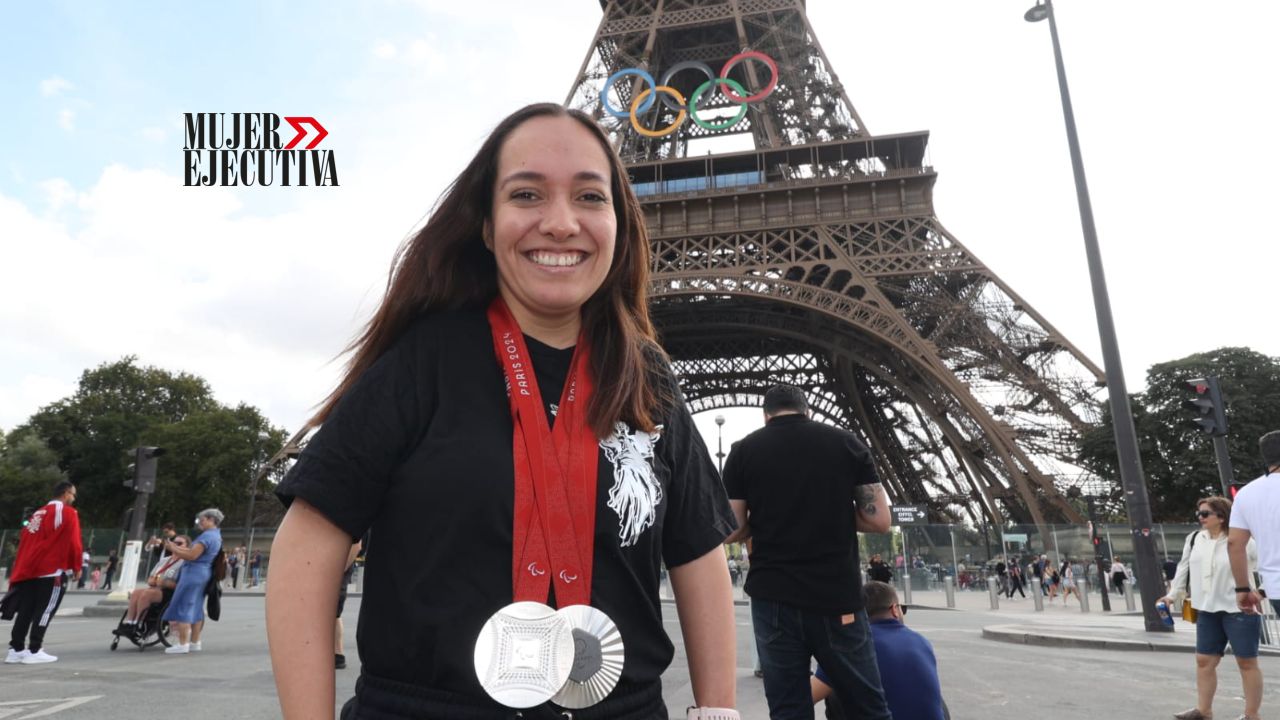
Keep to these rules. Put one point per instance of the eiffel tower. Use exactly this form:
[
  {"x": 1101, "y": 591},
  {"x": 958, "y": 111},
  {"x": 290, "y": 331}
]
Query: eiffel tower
[{"x": 810, "y": 254}]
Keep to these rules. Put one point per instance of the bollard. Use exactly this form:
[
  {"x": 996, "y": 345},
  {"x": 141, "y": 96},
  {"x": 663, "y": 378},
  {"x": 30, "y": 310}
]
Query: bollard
[
  {"x": 1084, "y": 595},
  {"x": 906, "y": 585},
  {"x": 1037, "y": 594},
  {"x": 949, "y": 585},
  {"x": 993, "y": 589},
  {"x": 1130, "y": 603}
]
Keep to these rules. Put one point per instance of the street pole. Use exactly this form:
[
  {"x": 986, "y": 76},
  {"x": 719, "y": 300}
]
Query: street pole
[
  {"x": 258, "y": 472},
  {"x": 1224, "y": 464},
  {"x": 1150, "y": 581}
]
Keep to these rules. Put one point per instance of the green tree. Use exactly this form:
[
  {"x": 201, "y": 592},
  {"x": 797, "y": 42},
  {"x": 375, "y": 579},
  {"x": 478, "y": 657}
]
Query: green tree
[
  {"x": 210, "y": 461},
  {"x": 211, "y": 450},
  {"x": 1178, "y": 461},
  {"x": 28, "y": 472}
]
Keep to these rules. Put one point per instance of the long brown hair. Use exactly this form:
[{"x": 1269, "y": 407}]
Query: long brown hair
[{"x": 446, "y": 265}]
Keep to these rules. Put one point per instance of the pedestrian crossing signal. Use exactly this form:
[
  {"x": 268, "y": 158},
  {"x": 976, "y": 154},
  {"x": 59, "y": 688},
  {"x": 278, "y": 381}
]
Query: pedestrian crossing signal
[{"x": 26, "y": 515}]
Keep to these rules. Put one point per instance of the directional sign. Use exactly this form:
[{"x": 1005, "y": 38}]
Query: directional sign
[{"x": 909, "y": 515}]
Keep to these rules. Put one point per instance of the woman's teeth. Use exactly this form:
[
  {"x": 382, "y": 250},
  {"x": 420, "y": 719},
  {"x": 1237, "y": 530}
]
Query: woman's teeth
[{"x": 556, "y": 259}]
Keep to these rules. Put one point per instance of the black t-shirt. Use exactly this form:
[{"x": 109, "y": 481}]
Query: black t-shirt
[
  {"x": 418, "y": 452},
  {"x": 798, "y": 478}
]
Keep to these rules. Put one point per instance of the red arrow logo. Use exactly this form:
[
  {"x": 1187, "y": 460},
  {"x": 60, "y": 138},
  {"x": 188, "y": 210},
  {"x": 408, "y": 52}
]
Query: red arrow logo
[{"x": 297, "y": 123}]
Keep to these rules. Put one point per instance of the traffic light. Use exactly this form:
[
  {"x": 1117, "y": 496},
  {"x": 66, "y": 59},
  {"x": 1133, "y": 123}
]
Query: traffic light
[
  {"x": 26, "y": 515},
  {"x": 144, "y": 469},
  {"x": 1207, "y": 406}
]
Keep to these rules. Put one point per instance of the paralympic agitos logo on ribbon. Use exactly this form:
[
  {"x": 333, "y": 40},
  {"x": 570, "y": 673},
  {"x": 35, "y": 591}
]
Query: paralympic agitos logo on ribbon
[
  {"x": 246, "y": 149},
  {"x": 672, "y": 99}
]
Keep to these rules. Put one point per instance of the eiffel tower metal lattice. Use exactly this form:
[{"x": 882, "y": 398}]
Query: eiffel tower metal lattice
[{"x": 813, "y": 257}]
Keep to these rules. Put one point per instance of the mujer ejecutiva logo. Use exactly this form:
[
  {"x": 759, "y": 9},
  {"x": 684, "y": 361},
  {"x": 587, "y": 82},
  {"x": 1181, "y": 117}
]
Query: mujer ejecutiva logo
[{"x": 245, "y": 149}]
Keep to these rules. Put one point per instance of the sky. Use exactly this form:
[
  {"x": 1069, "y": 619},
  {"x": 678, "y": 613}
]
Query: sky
[{"x": 104, "y": 253}]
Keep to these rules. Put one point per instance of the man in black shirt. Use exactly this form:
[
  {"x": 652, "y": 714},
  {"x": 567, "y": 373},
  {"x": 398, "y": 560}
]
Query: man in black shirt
[{"x": 801, "y": 490}]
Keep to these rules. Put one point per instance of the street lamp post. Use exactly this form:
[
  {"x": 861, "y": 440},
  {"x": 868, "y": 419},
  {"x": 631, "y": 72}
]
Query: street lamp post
[
  {"x": 1135, "y": 491},
  {"x": 720, "y": 443},
  {"x": 258, "y": 471}
]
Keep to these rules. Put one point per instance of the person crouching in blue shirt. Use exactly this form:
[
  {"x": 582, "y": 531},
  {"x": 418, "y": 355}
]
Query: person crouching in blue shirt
[{"x": 908, "y": 668}]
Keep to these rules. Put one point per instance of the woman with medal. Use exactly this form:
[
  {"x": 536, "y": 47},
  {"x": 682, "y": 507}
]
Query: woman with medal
[{"x": 513, "y": 439}]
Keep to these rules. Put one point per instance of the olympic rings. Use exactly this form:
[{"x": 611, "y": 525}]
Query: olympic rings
[
  {"x": 731, "y": 89},
  {"x": 670, "y": 128}
]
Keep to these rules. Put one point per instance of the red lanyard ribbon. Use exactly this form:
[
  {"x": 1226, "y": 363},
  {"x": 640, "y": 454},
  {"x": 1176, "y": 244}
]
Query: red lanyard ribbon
[{"x": 555, "y": 473}]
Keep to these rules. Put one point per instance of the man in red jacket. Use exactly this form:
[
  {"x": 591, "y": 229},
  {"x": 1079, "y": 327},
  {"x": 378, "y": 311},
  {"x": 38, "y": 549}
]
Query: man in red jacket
[{"x": 48, "y": 560}]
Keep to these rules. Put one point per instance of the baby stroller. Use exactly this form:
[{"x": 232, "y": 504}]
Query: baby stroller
[{"x": 150, "y": 628}]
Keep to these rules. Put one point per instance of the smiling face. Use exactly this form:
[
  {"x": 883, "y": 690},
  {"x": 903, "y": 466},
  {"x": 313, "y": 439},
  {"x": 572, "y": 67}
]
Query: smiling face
[{"x": 552, "y": 228}]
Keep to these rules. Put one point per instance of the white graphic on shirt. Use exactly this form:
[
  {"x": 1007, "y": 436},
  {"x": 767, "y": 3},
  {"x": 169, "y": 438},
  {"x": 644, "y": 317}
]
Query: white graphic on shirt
[{"x": 636, "y": 493}]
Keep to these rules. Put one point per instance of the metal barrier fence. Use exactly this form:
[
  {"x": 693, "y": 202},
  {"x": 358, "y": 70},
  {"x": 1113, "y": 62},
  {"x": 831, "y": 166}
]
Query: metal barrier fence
[
  {"x": 100, "y": 542},
  {"x": 928, "y": 553}
]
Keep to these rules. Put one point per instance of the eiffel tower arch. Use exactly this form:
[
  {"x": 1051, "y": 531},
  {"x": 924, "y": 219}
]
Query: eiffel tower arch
[{"x": 809, "y": 253}]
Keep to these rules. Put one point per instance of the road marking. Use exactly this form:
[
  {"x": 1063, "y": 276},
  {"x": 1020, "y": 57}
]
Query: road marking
[{"x": 25, "y": 705}]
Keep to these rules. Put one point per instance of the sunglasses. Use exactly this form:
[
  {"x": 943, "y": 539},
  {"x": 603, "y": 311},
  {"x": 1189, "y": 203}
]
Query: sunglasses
[{"x": 1205, "y": 513}]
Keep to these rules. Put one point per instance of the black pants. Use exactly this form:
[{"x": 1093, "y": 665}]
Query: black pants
[
  {"x": 1016, "y": 584},
  {"x": 110, "y": 573},
  {"x": 38, "y": 602}
]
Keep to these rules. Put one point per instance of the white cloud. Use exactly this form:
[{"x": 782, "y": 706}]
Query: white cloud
[
  {"x": 51, "y": 87},
  {"x": 384, "y": 49},
  {"x": 154, "y": 134},
  {"x": 67, "y": 119},
  {"x": 58, "y": 193}
]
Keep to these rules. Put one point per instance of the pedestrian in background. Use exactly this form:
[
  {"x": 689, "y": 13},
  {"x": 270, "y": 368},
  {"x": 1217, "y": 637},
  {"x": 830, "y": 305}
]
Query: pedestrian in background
[
  {"x": 113, "y": 561},
  {"x": 1256, "y": 515},
  {"x": 908, "y": 666},
  {"x": 186, "y": 610},
  {"x": 255, "y": 568},
  {"x": 1015, "y": 580},
  {"x": 84, "y": 573},
  {"x": 49, "y": 555},
  {"x": 1119, "y": 574},
  {"x": 233, "y": 567},
  {"x": 878, "y": 570},
  {"x": 1205, "y": 574},
  {"x": 801, "y": 490}
]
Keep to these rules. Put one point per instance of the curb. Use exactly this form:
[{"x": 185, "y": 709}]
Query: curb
[{"x": 1021, "y": 636}]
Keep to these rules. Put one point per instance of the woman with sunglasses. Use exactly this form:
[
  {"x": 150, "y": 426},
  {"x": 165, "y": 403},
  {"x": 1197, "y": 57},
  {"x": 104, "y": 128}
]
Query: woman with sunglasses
[
  {"x": 1205, "y": 571},
  {"x": 163, "y": 577}
]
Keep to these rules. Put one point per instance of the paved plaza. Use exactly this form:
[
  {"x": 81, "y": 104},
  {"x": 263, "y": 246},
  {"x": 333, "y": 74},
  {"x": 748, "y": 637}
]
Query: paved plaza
[{"x": 981, "y": 677}]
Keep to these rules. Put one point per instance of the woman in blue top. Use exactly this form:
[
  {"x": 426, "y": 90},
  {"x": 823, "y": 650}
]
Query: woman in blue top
[{"x": 186, "y": 609}]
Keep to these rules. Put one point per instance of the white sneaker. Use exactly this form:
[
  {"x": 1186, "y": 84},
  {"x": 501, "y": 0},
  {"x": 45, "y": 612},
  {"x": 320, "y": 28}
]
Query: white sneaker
[
  {"x": 16, "y": 656},
  {"x": 177, "y": 650},
  {"x": 38, "y": 657},
  {"x": 195, "y": 646}
]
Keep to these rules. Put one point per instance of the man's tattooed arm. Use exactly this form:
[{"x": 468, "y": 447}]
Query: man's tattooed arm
[
  {"x": 865, "y": 496},
  {"x": 871, "y": 509}
]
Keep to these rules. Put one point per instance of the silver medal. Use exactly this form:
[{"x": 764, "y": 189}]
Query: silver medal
[
  {"x": 597, "y": 658},
  {"x": 524, "y": 654}
]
